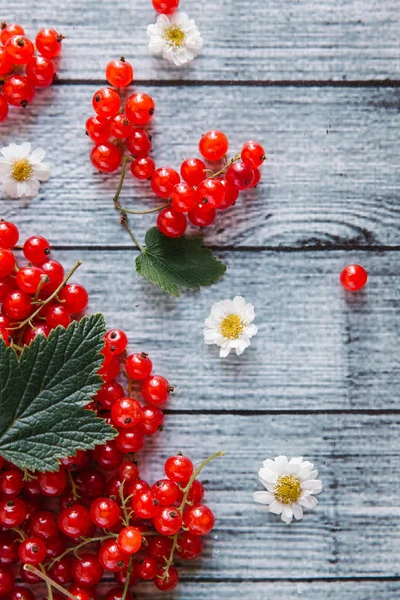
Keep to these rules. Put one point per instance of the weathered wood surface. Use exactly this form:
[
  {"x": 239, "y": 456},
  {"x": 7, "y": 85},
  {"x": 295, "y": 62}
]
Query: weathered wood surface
[
  {"x": 331, "y": 177},
  {"x": 323, "y": 40}
]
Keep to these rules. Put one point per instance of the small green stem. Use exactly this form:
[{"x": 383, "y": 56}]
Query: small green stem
[
  {"x": 121, "y": 181},
  {"x": 225, "y": 168},
  {"x": 50, "y": 583},
  {"x": 42, "y": 281},
  {"x": 128, "y": 579},
  {"x": 125, "y": 223},
  {"x": 142, "y": 212},
  {"x": 124, "y": 501},
  {"x": 74, "y": 487},
  {"x": 79, "y": 546}
]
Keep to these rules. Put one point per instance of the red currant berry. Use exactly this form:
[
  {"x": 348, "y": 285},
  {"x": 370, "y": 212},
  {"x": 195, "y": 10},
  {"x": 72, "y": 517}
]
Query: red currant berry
[
  {"x": 152, "y": 420},
  {"x": 168, "y": 520},
  {"x": 21, "y": 593},
  {"x": 199, "y": 520},
  {"x": 171, "y": 223},
  {"x": 32, "y": 551},
  {"x": 91, "y": 483},
  {"x": 179, "y": 468},
  {"x": 166, "y": 582},
  {"x": 86, "y": 570},
  {"x": 117, "y": 593},
  {"x": 98, "y": 129},
  {"x": 75, "y": 297},
  {"x": 53, "y": 484},
  {"x": 111, "y": 557},
  {"x": 57, "y": 315},
  {"x": 130, "y": 540},
  {"x": 106, "y": 102},
  {"x": 256, "y": 178},
  {"x": 6, "y": 62},
  {"x": 74, "y": 521},
  {"x": 189, "y": 546},
  {"x": 210, "y": 192},
  {"x": 138, "y": 486},
  {"x": 4, "y": 324},
  {"x": 17, "y": 305},
  {"x": 160, "y": 548},
  {"x": 143, "y": 168},
  {"x": 147, "y": 568},
  {"x": 120, "y": 126},
  {"x": 165, "y": 7},
  {"x": 8, "y": 30},
  {"x": 113, "y": 487},
  {"x": 54, "y": 272},
  {"x": 119, "y": 73},
  {"x": 202, "y": 215},
  {"x": 5, "y": 336},
  {"x": 49, "y": 42},
  {"x": 130, "y": 440},
  {"x": 156, "y": 389},
  {"x": 106, "y": 157},
  {"x": 7, "y": 262},
  {"x": 107, "y": 456},
  {"x": 81, "y": 460},
  {"x": 144, "y": 504},
  {"x": 110, "y": 371},
  {"x": 105, "y": 513},
  {"x": 253, "y": 154},
  {"x": 79, "y": 593},
  {"x": 163, "y": 181},
  {"x": 138, "y": 366},
  {"x": 20, "y": 49},
  {"x": 193, "y": 171},
  {"x": 6, "y": 582},
  {"x": 3, "y": 108},
  {"x": 43, "y": 524},
  {"x": 353, "y": 278},
  {"x": 12, "y": 512},
  {"x": 166, "y": 492},
  {"x": 8, "y": 549},
  {"x": 231, "y": 194},
  {"x": 196, "y": 492},
  {"x": 40, "y": 71},
  {"x": 139, "y": 143},
  {"x": 128, "y": 471},
  {"x": 126, "y": 413},
  {"x": 30, "y": 334},
  {"x": 29, "y": 278},
  {"x": 213, "y": 145},
  {"x": 139, "y": 108},
  {"x": 36, "y": 249},
  {"x": 61, "y": 571},
  {"x": 183, "y": 197},
  {"x": 18, "y": 91},
  {"x": 109, "y": 393},
  {"x": 239, "y": 175},
  {"x": 11, "y": 482},
  {"x": 117, "y": 341}
]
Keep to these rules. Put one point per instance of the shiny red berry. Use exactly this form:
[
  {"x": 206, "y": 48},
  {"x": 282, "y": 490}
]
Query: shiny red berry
[
  {"x": 128, "y": 470},
  {"x": 3, "y": 107},
  {"x": 118, "y": 593},
  {"x": 146, "y": 568},
  {"x": 17, "y": 305},
  {"x": 240, "y": 175},
  {"x": 139, "y": 142},
  {"x": 53, "y": 484},
  {"x": 179, "y": 468},
  {"x": 353, "y": 278},
  {"x": 166, "y": 582},
  {"x": 119, "y": 73},
  {"x": 138, "y": 366},
  {"x": 21, "y": 593},
  {"x": 152, "y": 419},
  {"x": 144, "y": 504},
  {"x": 196, "y": 492},
  {"x": 29, "y": 278},
  {"x": 111, "y": 557},
  {"x": 163, "y": 181},
  {"x": 183, "y": 197},
  {"x": 213, "y": 145},
  {"x": 7, "y": 262},
  {"x": 130, "y": 540},
  {"x": 106, "y": 157},
  {"x": 91, "y": 483},
  {"x": 106, "y": 102},
  {"x": 32, "y": 551},
  {"x": 86, "y": 570},
  {"x": 61, "y": 571},
  {"x": 18, "y": 91},
  {"x": 126, "y": 413},
  {"x": 12, "y": 512},
  {"x": 107, "y": 456},
  {"x": 120, "y": 126},
  {"x": 156, "y": 389},
  {"x": 43, "y": 524},
  {"x": 8, "y": 548},
  {"x": 253, "y": 154},
  {"x": 165, "y": 7},
  {"x": 139, "y": 108},
  {"x": 109, "y": 393},
  {"x": 6, "y": 582},
  {"x": 11, "y": 482},
  {"x": 193, "y": 171},
  {"x": 57, "y": 315},
  {"x": 159, "y": 547},
  {"x": 166, "y": 492},
  {"x": 210, "y": 192},
  {"x": 105, "y": 513},
  {"x": 199, "y": 519},
  {"x": 168, "y": 520},
  {"x": 40, "y": 71},
  {"x": 36, "y": 249},
  {"x": 98, "y": 129},
  {"x": 10, "y": 29},
  {"x": 6, "y": 62},
  {"x": 75, "y": 297},
  {"x": 20, "y": 49},
  {"x": 143, "y": 168},
  {"x": 189, "y": 546},
  {"x": 117, "y": 341},
  {"x": 171, "y": 223},
  {"x": 130, "y": 440},
  {"x": 49, "y": 42},
  {"x": 231, "y": 194},
  {"x": 202, "y": 215},
  {"x": 74, "y": 521}
]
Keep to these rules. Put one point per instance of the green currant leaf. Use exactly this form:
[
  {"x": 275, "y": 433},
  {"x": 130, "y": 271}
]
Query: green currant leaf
[
  {"x": 174, "y": 263},
  {"x": 43, "y": 392}
]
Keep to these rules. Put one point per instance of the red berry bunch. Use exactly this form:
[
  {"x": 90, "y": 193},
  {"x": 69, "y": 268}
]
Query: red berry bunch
[{"x": 17, "y": 50}]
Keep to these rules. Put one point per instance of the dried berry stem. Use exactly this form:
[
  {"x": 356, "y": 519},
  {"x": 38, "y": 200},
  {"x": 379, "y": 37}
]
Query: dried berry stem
[{"x": 50, "y": 583}]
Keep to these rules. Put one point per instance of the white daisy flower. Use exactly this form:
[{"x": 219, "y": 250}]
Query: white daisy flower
[
  {"x": 230, "y": 325},
  {"x": 176, "y": 38},
  {"x": 290, "y": 484},
  {"x": 22, "y": 170}
]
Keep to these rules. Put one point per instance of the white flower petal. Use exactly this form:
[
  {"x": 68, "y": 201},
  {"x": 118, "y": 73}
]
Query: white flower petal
[
  {"x": 263, "y": 497},
  {"x": 308, "y": 502},
  {"x": 314, "y": 485},
  {"x": 281, "y": 464},
  {"x": 224, "y": 351},
  {"x": 275, "y": 507},
  {"x": 10, "y": 187},
  {"x": 287, "y": 513},
  {"x": 297, "y": 511},
  {"x": 37, "y": 156},
  {"x": 41, "y": 171},
  {"x": 24, "y": 150},
  {"x": 268, "y": 475},
  {"x": 270, "y": 464}
]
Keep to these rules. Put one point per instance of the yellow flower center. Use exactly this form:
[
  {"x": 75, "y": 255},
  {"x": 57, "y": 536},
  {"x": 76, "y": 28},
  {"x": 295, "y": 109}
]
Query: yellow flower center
[
  {"x": 287, "y": 489},
  {"x": 232, "y": 327},
  {"x": 174, "y": 35},
  {"x": 21, "y": 169}
]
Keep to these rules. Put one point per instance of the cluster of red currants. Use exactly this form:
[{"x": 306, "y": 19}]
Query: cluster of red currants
[{"x": 18, "y": 50}]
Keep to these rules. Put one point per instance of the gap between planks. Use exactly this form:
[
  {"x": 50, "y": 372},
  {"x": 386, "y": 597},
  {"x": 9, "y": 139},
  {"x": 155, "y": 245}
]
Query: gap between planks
[{"x": 344, "y": 83}]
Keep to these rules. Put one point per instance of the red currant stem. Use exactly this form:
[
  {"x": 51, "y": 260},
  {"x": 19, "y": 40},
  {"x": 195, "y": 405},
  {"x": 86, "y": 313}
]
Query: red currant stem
[
  {"x": 121, "y": 181},
  {"x": 49, "y": 581},
  {"x": 125, "y": 223},
  {"x": 74, "y": 549},
  {"x": 142, "y": 212},
  {"x": 49, "y": 299},
  {"x": 124, "y": 217},
  {"x": 74, "y": 487},
  {"x": 28, "y": 476},
  {"x": 19, "y": 532},
  {"x": 16, "y": 347},
  {"x": 42, "y": 281},
  {"x": 128, "y": 579},
  {"x": 124, "y": 500},
  {"x": 225, "y": 168}
]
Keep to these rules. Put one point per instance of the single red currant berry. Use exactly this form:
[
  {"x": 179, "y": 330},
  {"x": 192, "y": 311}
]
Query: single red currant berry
[
  {"x": 113, "y": 488},
  {"x": 146, "y": 568},
  {"x": 17, "y": 305},
  {"x": 53, "y": 484},
  {"x": 256, "y": 178},
  {"x": 152, "y": 419},
  {"x": 168, "y": 520},
  {"x": 166, "y": 492},
  {"x": 130, "y": 440},
  {"x": 183, "y": 197},
  {"x": 179, "y": 468},
  {"x": 6, "y": 582},
  {"x": 139, "y": 108},
  {"x": 111, "y": 557},
  {"x": 193, "y": 171},
  {"x": 166, "y": 582},
  {"x": 6, "y": 62},
  {"x": 20, "y": 49},
  {"x": 106, "y": 157},
  {"x": 107, "y": 456},
  {"x": 5, "y": 336},
  {"x": 119, "y": 73},
  {"x": 49, "y": 42},
  {"x": 118, "y": 593},
  {"x": 86, "y": 570},
  {"x": 18, "y": 91},
  {"x": 138, "y": 366},
  {"x": 30, "y": 334},
  {"x": 56, "y": 315},
  {"x": 80, "y": 593},
  {"x": 106, "y": 102},
  {"x": 111, "y": 370},
  {"x": 3, "y": 108},
  {"x": 156, "y": 389},
  {"x": 231, "y": 194},
  {"x": 196, "y": 492},
  {"x": 120, "y": 126},
  {"x": 189, "y": 546},
  {"x": 21, "y": 593},
  {"x": 12, "y": 512},
  {"x": 130, "y": 540},
  {"x": 43, "y": 524},
  {"x": 353, "y": 278},
  {"x": 36, "y": 249},
  {"x": 29, "y": 278},
  {"x": 91, "y": 483},
  {"x": 32, "y": 551},
  {"x": 210, "y": 192},
  {"x": 199, "y": 520},
  {"x": 11, "y": 482},
  {"x": 143, "y": 168},
  {"x": 171, "y": 223},
  {"x": 213, "y": 145},
  {"x": 163, "y": 181},
  {"x": 139, "y": 143},
  {"x": 7, "y": 262},
  {"x": 61, "y": 571},
  {"x": 159, "y": 547},
  {"x": 126, "y": 413},
  {"x": 74, "y": 297},
  {"x": 40, "y": 71},
  {"x": 128, "y": 471},
  {"x": 74, "y": 521},
  {"x": 202, "y": 215},
  {"x": 109, "y": 393},
  {"x": 54, "y": 272},
  {"x": 98, "y": 129},
  {"x": 239, "y": 175},
  {"x": 253, "y": 154},
  {"x": 117, "y": 341},
  {"x": 165, "y": 7},
  {"x": 144, "y": 504},
  {"x": 8, "y": 549},
  {"x": 8, "y": 30},
  {"x": 81, "y": 460},
  {"x": 137, "y": 486},
  {"x": 4, "y": 323}
]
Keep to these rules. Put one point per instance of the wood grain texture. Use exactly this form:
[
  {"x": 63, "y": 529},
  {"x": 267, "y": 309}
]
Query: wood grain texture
[
  {"x": 347, "y": 39},
  {"x": 331, "y": 177}
]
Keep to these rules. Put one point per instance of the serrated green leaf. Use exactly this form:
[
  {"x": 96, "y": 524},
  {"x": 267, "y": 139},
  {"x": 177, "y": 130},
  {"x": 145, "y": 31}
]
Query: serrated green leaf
[
  {"x": 42, "y": 395},
  {"x": 174, "y": 263}
]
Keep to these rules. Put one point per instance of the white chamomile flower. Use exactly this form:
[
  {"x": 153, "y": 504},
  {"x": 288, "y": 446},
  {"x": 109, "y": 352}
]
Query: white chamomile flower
[
  {"x": 22, "y": 170},
  {"x": 290, "y": 484},
  {"x": 176, "y": 38},
  {"x": 230, "y": 325}
]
